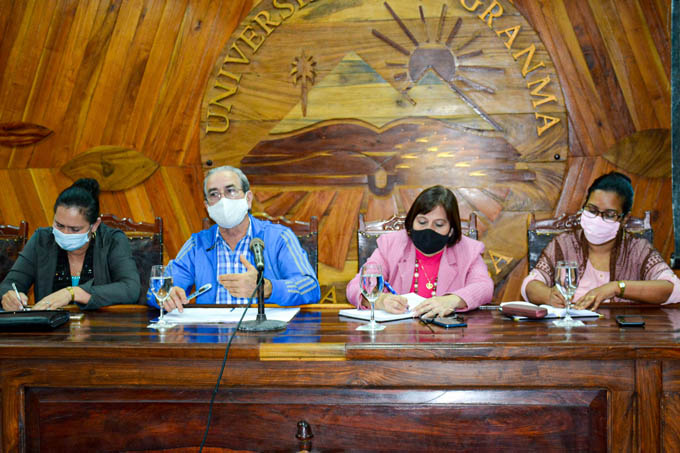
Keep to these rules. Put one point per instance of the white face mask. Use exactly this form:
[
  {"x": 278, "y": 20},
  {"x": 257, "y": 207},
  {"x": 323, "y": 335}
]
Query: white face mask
[
  {"x": 228, "y": 213},
  {"x": 70, "y": 242},
  {"x": 598, "y": 231}
]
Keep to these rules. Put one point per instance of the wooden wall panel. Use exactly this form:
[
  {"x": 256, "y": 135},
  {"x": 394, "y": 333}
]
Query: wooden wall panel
[{"x": 132, "y": 73}]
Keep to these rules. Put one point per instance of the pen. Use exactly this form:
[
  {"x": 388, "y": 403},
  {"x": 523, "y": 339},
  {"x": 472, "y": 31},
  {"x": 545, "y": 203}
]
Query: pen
[
  {"x": 389, "y": 288},
  {"x": 426, "y": 323},
  {"x": 16, "y": 291}
]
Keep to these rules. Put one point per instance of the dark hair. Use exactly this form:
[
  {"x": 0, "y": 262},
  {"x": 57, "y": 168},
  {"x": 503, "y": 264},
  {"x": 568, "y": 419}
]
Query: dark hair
[
  {"x": 429, "y": 199},
  {"x": 84, "y": 195},
  {"x": 618, "y": 183}
]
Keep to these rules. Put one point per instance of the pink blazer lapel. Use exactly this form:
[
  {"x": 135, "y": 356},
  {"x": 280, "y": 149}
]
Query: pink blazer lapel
[
  {"x": 448, "y": 271},
  {"x": 404, "y": 267}
]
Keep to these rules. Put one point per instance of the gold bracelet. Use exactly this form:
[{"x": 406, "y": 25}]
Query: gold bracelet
[
  {"x": 73, "y": 293},
  {"x": 622, "y": 288}
]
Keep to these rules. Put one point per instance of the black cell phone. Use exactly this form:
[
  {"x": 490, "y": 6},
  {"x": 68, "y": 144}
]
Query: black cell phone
[
  {"x": 450, "y": 321},
  {"x": 630, "y": 321}
]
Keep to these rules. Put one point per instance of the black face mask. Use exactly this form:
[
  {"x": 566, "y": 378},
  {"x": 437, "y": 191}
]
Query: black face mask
[{"x": 429, "y": 241}]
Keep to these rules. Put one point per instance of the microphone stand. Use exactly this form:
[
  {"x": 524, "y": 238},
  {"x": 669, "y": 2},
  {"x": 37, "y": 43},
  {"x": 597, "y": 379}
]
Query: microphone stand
[{"x": 261, "y": 323}]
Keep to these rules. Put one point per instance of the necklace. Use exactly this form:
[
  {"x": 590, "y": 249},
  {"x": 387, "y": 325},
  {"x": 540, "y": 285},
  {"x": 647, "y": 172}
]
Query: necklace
[{"x": 432, "y": 286}]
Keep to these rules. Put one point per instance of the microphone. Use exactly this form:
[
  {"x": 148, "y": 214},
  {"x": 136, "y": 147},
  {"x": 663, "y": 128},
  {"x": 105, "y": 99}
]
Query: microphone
[{"x": 257, "y": 247}]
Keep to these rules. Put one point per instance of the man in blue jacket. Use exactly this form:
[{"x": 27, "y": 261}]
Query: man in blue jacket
[{"x": 221, "y": 254}]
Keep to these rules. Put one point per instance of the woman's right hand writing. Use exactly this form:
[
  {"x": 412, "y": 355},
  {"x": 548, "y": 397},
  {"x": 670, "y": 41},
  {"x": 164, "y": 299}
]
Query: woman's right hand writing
[
  {"x": 392, "y": 303},
  {"x": 556, "y": 299},
  {"x": 11, "y": 303}
]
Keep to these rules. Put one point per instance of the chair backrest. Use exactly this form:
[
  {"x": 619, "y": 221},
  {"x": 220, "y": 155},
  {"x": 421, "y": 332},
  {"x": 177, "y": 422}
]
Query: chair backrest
[
  {"x": 541, "y": 232},
  {"x": 146, "y": 242},
  {"x": 306, "y": 232},
  {"x": 368, "y": 233},
  {"x": 12, "y": 241}
]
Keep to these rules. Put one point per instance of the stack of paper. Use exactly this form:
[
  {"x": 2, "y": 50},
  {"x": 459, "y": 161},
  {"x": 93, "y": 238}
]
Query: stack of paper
[{"x": 224, "y": 315}]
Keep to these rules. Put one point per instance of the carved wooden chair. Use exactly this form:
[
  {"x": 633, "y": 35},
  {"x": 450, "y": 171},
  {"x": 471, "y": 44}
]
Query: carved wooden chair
[
  {"x": 146, "y": 242},
  {"x": 368, "y": 233},
  {"x": 12, "y": 241},
  {"x": 306, "y": 232},
  {"x": 541, "y": 232}
]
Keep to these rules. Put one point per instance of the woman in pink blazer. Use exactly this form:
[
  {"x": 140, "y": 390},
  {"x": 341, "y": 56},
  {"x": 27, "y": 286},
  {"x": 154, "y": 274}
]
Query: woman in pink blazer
[{"x": 432, "y": 258}]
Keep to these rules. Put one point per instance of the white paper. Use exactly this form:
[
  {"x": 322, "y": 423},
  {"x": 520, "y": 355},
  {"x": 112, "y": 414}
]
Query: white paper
[
  {"x": 381, "y": 315},
  {"x": 226, "y": 315}
]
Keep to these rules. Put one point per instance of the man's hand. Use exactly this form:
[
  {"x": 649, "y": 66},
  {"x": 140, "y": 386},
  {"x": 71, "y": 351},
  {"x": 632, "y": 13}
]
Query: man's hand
[
  {"x": 177, "y": 299},
  {"x": 241, "y": 285}
]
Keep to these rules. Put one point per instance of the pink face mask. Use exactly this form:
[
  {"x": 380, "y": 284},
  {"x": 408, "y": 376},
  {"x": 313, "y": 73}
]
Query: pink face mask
[{"x": 598, "y": 231}]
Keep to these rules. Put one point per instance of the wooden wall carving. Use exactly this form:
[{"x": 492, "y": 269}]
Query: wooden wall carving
[
  {"x": 133, "y": 73},
  {"x": 393, "y": 95},
  {"x": 21, "y": 134},
  {"x": 115, "y": 167}
]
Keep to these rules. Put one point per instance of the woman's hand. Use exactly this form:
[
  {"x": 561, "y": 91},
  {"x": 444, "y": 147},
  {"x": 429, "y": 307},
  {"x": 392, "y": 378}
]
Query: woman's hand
[
  {"x": 539, "y": 293},
  {"x": 556, "y": 299},
  {"x": 54, "y": 301},
  {"x": 593, "y": 298},
  {"x": 439, "y": 306},
  {"x": 11, "y": 303},
  {"x": 391, "y": 303}
]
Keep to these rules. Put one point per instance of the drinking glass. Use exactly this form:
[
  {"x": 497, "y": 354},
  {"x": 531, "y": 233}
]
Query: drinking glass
[
  {"x": 371, "y": 288},
  {"x": 160, "y": 284},
  {"x": 566, "y": 280}
]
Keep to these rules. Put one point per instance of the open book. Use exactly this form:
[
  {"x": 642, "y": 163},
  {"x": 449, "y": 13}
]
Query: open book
[
  {"x": 553, "y": 312},
  {"x": 382, "y": 315}
]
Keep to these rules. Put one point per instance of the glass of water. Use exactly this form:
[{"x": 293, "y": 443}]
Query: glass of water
[
  {"x": 160, "y": 284},
  {"x": 371, "y": 288},
  {"x": 566, "y": 280}
]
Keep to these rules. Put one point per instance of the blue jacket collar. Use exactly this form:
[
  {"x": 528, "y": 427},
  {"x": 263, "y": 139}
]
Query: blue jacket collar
[{"x": 205, "y": 239}]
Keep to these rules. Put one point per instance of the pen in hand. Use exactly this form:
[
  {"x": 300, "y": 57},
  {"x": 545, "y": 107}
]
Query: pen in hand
[
  {"x": 16, "y": 291},
  {"x": 200, "y": 291},
  {"x": 389, "y": 288}
]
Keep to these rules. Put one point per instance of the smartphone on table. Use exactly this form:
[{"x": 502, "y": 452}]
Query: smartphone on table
[
  {"x": 450, "y": 321},
  {"x": 630, "y": 321}
]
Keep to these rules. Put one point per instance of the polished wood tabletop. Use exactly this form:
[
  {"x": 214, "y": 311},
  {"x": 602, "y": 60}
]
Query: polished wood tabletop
[
  {"x": 318, "y": 334},
  {"x": 495, "y": 385}
]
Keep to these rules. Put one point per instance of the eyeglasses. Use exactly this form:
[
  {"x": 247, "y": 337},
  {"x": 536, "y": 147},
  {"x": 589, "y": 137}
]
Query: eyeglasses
[
  {"x": 609, "y": 215},
  {"x": 230, "y": 192}
]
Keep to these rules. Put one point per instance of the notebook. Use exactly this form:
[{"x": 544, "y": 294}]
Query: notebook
[
  {"x": 553, "y": 312},
  {"x": 382, "y": 315}
]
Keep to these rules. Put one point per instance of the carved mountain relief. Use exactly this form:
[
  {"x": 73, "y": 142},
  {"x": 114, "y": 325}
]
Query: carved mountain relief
[{"x": 353, "y": 153}]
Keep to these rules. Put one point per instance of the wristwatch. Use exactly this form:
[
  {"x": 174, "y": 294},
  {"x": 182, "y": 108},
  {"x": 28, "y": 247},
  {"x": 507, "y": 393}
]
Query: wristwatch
[
  {"x": 622, "y": 288},
  {"x": 73, "y": 293}
]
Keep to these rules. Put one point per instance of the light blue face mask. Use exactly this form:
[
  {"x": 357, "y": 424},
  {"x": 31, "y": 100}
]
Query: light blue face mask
[{"x": 70, "y": 242}]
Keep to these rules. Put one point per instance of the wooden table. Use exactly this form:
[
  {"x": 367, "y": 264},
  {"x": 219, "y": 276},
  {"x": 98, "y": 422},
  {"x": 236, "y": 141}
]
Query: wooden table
[{"x": 109, "y": 384}]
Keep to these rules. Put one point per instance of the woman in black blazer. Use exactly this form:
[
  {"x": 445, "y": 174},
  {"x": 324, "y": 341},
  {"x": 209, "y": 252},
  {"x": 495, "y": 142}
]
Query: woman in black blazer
[{"x": 77, "y": 260}]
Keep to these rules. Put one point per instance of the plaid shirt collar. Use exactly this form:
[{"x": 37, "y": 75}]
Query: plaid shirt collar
[{"x": 229, "y": 262}]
